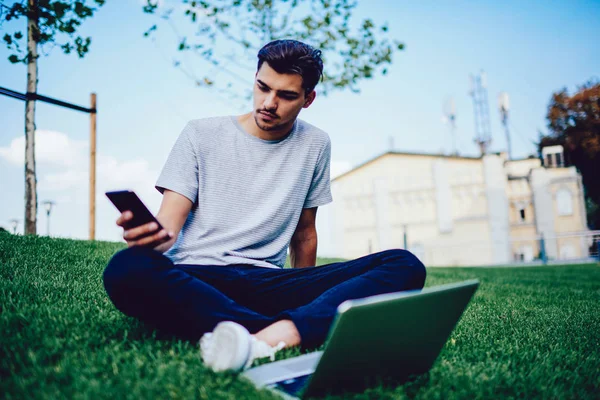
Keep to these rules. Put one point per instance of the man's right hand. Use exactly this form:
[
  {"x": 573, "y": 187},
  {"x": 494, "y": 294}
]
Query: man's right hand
[{"x": 147, "y": 235}]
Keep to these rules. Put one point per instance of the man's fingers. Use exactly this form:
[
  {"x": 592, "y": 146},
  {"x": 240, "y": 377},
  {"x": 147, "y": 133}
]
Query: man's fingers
[
  {"x": 153, "y": 240},
  {"x": 124, "y": 217},
  {"x": 142, "y": 230}
]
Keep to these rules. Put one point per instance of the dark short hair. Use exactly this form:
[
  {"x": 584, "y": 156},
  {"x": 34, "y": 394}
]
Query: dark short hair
[{"x": 293, "y": 57}]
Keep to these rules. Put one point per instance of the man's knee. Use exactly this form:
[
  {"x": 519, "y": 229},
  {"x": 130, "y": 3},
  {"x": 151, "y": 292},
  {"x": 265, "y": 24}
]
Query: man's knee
[
  {"x": 126, "y": 268},
  {"x": 410, "y": 269}
]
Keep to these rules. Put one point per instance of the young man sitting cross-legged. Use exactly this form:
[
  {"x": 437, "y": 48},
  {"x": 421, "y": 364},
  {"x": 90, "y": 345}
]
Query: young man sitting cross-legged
[{"x": 237, "y": 191}]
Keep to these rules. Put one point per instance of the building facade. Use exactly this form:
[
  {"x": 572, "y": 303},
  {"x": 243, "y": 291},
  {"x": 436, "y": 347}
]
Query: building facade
[{"x": 451, "y": 210}]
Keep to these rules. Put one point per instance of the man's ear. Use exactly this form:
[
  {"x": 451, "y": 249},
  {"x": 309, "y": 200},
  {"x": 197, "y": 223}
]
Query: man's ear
[{"x": 309, "y": 99}]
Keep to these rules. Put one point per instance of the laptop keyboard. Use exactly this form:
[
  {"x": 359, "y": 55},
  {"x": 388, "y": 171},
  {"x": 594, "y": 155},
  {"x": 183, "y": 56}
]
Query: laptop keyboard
[{"x": 292, "y": 386}]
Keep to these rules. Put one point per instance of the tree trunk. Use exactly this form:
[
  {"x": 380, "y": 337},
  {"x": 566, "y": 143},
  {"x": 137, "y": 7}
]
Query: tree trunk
[{"x": 32, "y": 80}]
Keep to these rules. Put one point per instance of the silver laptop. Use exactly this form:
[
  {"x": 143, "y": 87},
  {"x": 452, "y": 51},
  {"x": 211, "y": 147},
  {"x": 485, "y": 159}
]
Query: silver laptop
[{"x": 378, "y": 339}]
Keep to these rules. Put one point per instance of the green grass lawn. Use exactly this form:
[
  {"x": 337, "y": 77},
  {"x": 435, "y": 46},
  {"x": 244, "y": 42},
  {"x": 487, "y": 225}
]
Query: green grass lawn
[{"x": 529, "y": 332}]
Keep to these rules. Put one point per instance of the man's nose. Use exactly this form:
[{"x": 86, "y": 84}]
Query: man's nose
[{"x": 270, "y": 102}]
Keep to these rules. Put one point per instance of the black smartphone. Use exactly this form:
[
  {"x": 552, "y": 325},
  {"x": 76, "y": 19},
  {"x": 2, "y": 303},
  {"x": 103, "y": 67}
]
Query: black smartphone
[{"x": 126, "y": 200}]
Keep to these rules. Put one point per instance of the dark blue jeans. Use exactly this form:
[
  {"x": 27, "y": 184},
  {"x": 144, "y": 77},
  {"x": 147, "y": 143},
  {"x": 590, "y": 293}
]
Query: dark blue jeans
[{"x": 189, "y": 300}]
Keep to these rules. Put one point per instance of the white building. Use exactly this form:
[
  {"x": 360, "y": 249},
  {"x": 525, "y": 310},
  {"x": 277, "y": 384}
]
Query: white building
[{"x": 457, "y": 210}]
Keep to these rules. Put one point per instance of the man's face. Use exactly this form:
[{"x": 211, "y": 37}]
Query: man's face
[{"x": 278, "y": 99}]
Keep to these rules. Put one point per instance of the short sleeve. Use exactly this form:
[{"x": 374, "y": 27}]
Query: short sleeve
[
  {"x": 320, "y": 188},
  {"x": 180, "y": 172}
]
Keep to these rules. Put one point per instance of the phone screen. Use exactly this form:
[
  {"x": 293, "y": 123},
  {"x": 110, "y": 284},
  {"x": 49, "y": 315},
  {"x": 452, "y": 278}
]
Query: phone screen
[{"x": 126, "y": 200}]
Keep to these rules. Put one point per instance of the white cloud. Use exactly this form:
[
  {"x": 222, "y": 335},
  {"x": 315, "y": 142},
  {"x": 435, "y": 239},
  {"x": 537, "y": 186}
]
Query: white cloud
[
  {"x": 50, "y": 147},
  {"x": 64, "y": 178},
  {"x": 71, "y": 160}
]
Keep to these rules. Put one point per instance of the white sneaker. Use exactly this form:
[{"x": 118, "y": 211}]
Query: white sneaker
[{"x": 230, "y": 347}]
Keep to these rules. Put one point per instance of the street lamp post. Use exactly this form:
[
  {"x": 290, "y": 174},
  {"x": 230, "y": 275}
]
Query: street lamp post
[
  {"x": 15, "y": 223},
  {"x": 48, "y": 205}
]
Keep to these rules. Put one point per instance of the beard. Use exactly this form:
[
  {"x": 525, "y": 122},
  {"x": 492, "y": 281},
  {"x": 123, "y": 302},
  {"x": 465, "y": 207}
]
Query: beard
[{"x": 263, "y": 126}]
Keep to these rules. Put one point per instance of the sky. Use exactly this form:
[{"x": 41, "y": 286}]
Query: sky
[{"x": 527, "y": 49}]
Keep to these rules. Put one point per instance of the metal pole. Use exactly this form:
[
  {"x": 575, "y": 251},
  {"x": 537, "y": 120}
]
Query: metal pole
[
  {"x": 543, "y": 255},
  {"x": 15, "y": 223},
  {"x": 453, "y": 132},
  {"x": 508, "y": 141},
  {"x": 30, "y": 192},
  {"x": 504, "y": 115},
  {"x": 48, "y": 222},
  {"x": 93, "y": 167},
  {"x": 38, "y": 97}
]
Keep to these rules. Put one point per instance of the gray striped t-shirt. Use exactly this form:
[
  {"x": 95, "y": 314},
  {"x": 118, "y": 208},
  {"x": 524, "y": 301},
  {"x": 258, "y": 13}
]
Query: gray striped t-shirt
[{"x": 247, "y": 193}]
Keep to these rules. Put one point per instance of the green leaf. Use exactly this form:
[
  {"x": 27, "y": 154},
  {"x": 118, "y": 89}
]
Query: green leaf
[
  {"x": 152, "y": 28},
  {"x": 8, "y": 39},
  {"x": 150, "y": 7},
  {"x": 13, "y": 59},
  {"x": 67, "y": 48}
]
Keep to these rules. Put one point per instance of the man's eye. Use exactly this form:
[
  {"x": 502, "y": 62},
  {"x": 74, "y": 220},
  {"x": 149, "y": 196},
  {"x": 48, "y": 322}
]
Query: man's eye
[{"x": 263, "y": 88}]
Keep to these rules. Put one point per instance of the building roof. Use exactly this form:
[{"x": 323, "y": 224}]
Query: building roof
[
  {"x": 401, "y": 153},
  {"x": 528, "y": 158}
]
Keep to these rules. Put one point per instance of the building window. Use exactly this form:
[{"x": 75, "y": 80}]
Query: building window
[
  {"x": 521, "y": 214},
  {"x": 564, "y": 202},
  {"x": 559, "y": 160},
  {"x": 553, "y": 156}
]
